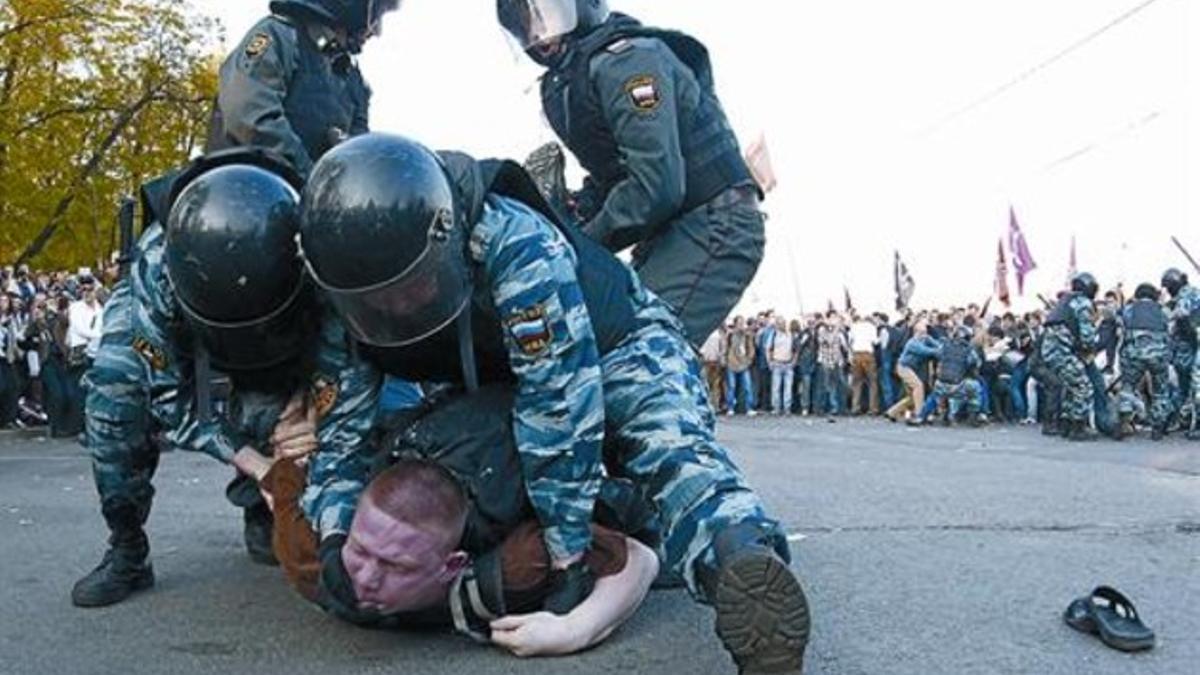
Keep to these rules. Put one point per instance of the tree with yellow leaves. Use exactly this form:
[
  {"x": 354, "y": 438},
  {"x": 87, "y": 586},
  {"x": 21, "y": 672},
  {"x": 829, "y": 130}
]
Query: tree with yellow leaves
[{"x": 96, "y": 96}]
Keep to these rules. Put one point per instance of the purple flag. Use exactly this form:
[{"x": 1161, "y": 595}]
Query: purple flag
[{"x": 1022, "y": 260}]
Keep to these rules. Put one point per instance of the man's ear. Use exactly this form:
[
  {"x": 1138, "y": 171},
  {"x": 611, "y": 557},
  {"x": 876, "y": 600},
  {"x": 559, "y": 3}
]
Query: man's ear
[{"x": 455, "y": 563}]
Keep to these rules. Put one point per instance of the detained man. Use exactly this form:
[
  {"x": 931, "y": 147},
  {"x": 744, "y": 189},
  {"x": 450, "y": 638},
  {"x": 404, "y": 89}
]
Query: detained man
[{"x": 440, "y": 537}]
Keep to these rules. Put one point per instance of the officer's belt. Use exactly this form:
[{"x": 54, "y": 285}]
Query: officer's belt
[{"x": 738, "y": 194}]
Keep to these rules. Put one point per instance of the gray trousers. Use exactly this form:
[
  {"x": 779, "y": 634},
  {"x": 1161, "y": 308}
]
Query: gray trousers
[{"x": 702, "y": 262}]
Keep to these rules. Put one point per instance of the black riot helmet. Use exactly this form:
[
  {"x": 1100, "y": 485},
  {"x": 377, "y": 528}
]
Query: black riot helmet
[
  {"x": 1146, "y": 292},
  {"x": 233, "y": 261},
  {"x": 379, "y": 235},
  {"x": 361, "y": 19},
  {"x": 1085, "y": 284},
  {"x": 1174, "y": 280},
  {"x": 535, "y": 24}
]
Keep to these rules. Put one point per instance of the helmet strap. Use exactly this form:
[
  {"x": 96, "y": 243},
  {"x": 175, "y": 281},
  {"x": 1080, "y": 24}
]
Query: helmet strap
[
  {"x": 202, "y": 372},
  {"x": 466, "y": 351}
]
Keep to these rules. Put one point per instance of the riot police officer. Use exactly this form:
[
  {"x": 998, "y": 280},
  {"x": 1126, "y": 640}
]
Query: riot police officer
[
  {"x": 1144, "y": 351},
  {"x": 955, "y": 387},
  {"x": 638, "y": 108},
  {"x": 1070, "y": 341},
  {"x": 292, "y": 85},
  {"x": 221, "y": 284},
  {"x": 448, "y": 269},
  {"x": 1185, "y": 319}
]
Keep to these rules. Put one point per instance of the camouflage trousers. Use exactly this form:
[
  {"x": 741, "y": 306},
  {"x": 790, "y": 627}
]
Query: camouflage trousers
[
  {"x": 659, "y": 420},
  {"x": 1070, "y": 372},
  {"x": 124, "y": 457},
  {"x": 1184, "y": 361},
  {"x": 1145, "y": 356},
  {"x": 967, "y": 393}
]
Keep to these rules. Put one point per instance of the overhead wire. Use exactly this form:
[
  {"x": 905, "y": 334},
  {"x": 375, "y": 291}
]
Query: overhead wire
[{"x": 1034, "y": 70}]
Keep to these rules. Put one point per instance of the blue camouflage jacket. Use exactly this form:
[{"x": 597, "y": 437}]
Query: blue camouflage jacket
[{"x": 343, "y": 388}]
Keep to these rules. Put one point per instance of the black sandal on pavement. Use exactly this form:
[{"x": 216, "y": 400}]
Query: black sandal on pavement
[{"x": 1111, "y": 616}]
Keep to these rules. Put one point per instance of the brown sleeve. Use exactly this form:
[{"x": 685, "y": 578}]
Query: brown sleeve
[
  {"x": 294, "y": 541},
  {"x": 526, "y": 563}
]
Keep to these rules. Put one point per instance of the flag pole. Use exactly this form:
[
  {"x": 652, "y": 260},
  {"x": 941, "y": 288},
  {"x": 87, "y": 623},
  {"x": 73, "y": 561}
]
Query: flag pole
[{"x": 1184, "y": 251}]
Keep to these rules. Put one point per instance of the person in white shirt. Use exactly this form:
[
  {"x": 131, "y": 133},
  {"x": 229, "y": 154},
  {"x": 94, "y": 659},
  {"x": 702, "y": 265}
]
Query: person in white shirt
[
  {"x": 713, "y": 355},
  {"x": 84, "y": 327},
  {"x": 781, "y": 356},
  {"x": 864, "y": 338}
]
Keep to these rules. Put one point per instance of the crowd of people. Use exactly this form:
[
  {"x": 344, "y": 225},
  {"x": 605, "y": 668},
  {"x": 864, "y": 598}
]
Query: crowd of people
[
  {"x": 50, "y": 326},
  {"x": 966, "y": 364}
]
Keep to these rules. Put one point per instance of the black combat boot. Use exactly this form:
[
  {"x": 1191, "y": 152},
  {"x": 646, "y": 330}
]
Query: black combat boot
[
  {"x": 1125, "y": 429},
  {"x": 1052, "y": 428},
  {"x": 1080, "y": 432},
  {"x": 124, "y": 570},
  {"x": 762, "y": 615},
  {"x": 1158, "y": 432},
  {"x": 260, "y": 527}
]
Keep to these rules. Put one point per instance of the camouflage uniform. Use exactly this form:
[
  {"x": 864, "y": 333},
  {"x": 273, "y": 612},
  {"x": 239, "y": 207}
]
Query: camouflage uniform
[
  {"x": 969, "y": 392},
  {"x": 1144, "y": 351},
  {"x": 1063, "y": 351},
  {"x": 647, "y": 394},
  {"x": 141, "y": 382},
  {"x": 1184, "y": 350}
]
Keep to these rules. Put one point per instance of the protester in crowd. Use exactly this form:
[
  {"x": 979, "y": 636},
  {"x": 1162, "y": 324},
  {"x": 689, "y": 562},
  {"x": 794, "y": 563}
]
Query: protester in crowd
[
  {"x": 760, "y": 374},
  {"x": 832, "y": 352},
  {"x": 10, "y": 385},
  {"x": 713, "y": 356},
  {"x": 739, "y": 359},
  {"x": 920, "y": 350},
  {"x": 864, "y": 340},
  {"x": 806, "y": 365},
  {"x": 781, "y": 353}
]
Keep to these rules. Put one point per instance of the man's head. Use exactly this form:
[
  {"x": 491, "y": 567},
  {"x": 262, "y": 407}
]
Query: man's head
[
  {"x": 356, "y": 21},
  {"x": 402, "y": 552},
  {"x": 544, "y": 28},
  {"x": 1174, "y": 280},
  {"x": 1147, "y": 292},
  {"x": 233, "y": 262}
]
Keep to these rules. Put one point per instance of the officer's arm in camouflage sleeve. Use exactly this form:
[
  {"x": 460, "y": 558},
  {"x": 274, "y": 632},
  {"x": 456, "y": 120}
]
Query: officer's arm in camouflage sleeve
[
  {"x": 345, "y": 392},
  {"x": 639, "y": 92},
  {"x": 1089, "y": 337},
  {"x": 254, "y": 84},
  {"x": 170, "y": 369},
  {"x": 558, "y": 414}
]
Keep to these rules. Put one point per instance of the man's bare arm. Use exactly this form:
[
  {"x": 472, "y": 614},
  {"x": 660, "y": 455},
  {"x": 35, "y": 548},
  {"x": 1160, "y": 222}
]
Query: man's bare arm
[{"x": 613, "y": 601}]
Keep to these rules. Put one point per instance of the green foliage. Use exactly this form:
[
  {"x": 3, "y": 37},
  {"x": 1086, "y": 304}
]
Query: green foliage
[{"x": 96, "y": 96}]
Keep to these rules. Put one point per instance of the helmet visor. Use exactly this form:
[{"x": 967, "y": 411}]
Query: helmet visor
[
  {"x": 409, "y": 308},
  {"x": 533, "y": 23},
  {"x": 261, "y": 343}
]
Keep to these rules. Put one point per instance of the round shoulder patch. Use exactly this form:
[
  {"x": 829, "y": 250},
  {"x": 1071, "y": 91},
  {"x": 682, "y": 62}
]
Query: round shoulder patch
[
  {"x": 643, "y": 92},
  {"x": 258, "y": 44}
]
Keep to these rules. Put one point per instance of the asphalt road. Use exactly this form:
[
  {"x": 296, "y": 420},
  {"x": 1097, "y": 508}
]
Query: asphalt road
[{"x": 931, "y": 551}]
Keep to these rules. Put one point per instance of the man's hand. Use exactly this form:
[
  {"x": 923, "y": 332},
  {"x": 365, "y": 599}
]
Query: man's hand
[
  {"x": 295, "y": 435},
  {"x": 540, "y": 634}
]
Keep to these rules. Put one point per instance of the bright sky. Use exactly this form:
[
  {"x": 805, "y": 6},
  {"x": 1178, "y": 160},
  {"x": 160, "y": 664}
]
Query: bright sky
[{"x": 851, "y": 95}]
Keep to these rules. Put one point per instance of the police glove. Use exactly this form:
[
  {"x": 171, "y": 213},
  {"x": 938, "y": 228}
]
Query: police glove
[{"x": 570, "y": 587}]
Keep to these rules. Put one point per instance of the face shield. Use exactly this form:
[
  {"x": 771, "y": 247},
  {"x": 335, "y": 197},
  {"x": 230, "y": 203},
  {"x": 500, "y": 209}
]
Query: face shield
[
  {"x": 257, "y": 344},
  {"x": 415, "y": 304},
  {"x": 537, "y": 24}
]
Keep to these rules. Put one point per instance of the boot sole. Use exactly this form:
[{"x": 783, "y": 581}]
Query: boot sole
[
  {"x": 762, "y": 615},
  {"x": 142, "y": 583}
]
